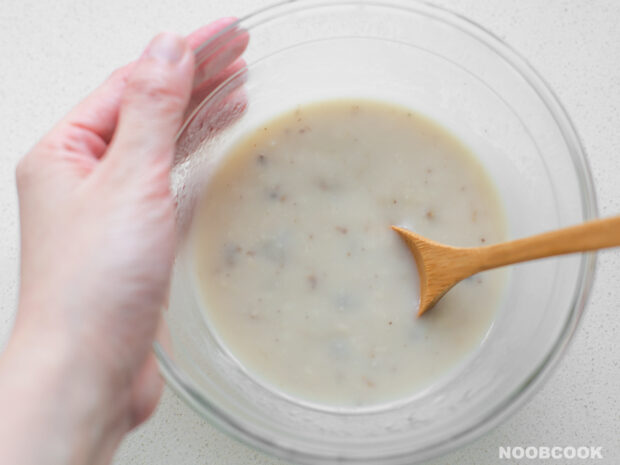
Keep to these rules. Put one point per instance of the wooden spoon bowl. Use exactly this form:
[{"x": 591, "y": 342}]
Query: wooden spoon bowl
[{"x": 442, "y": 266}]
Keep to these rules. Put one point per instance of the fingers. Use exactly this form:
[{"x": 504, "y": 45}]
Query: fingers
[
  {"x": 88, "y": 128},
  {"x": 200, "y": 35},
  {"x": 201, "y": 91},
  {"x": 220, "y": 53},
  {"x": 224, "y": 63},
  {"x": 152, "y": 106},
  {"x": 219, "y": 61}
]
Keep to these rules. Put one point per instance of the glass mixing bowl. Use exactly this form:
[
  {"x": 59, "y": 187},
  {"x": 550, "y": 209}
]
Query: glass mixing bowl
[{"x": 460, "y": 75}]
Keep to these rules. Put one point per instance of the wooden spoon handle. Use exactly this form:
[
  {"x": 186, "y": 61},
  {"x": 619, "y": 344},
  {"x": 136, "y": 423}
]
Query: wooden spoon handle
[{"x": 593, "y": 235}]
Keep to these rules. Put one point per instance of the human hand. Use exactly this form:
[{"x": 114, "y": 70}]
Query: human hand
[{"x": 97, "y": 247}]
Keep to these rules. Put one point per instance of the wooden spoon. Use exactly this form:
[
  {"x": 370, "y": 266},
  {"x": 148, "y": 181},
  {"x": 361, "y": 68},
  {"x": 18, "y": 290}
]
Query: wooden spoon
[{"x": 441, "y": 266}]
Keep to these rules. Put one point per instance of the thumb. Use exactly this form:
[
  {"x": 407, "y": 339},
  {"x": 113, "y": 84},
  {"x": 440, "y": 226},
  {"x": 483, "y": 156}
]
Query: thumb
[{"x": 155, "y": 97}]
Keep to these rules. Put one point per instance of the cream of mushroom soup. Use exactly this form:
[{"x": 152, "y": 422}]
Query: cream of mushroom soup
[{"x": 300, "y": 275}]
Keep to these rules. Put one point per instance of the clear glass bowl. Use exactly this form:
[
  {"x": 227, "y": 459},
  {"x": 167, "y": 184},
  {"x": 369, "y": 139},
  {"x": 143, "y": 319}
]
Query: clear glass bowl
[{"x": 452, "y": 70}]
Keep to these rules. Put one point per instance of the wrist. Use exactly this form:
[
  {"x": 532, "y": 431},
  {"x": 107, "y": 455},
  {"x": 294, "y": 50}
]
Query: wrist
[{"x": 52, "y": 396}]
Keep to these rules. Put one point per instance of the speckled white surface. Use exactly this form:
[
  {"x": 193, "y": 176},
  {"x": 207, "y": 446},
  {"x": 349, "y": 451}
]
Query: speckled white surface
[{"x": 53, "y": 53}]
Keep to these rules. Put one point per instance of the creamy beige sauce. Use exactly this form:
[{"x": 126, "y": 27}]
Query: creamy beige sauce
[{"x": 302, "y": 278}]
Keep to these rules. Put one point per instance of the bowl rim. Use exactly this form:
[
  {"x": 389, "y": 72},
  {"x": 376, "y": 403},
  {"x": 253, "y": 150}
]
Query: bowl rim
[{"x": 183, "y": 387}]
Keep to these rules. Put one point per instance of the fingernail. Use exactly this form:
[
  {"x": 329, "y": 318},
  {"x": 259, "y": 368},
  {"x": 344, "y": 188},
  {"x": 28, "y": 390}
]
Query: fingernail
[{"x": 166, "y": 47}]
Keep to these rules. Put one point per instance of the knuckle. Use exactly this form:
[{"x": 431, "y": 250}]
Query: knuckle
[
  {"x": 24, "y": 171},
  {"x": 120, "y": 74},
  {"x": 30, "y": 165}
]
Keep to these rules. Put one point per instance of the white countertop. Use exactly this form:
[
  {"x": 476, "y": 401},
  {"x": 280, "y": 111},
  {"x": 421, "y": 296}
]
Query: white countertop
[{"x": 53, "y": 53}]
